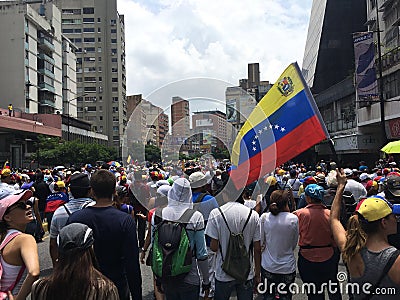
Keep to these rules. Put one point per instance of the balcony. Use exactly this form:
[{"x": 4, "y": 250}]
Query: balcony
[
  {"x": 45, "y": 44},
  {"x": 47, "y": 102},
  {"x": 47, "y": 73},
  {"x": 46, "y": 87},
  {"x": 46, "y": 57}
]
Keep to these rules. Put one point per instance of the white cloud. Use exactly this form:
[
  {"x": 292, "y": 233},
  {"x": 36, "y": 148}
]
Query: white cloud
[{"x": 168, "y": 40}]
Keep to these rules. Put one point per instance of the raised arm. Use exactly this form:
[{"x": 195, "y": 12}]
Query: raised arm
[{"x": 339, "y": 233}]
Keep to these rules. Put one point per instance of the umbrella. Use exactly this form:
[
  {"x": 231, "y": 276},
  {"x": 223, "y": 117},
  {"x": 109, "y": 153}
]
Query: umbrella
[
  {"x": 114, "y": 163},
  {"x": 392, "y": 147}
]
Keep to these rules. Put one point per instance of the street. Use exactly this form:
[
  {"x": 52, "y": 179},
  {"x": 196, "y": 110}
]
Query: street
[{"x": 147, "y": 277}]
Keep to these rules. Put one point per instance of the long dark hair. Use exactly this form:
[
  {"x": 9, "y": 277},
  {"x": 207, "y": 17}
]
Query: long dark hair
[
  {"x": 279, "y": 200},
  {"x": 75, "y": 277}
]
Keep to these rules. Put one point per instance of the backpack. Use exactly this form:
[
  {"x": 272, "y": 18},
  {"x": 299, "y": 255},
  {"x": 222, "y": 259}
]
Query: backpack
[
  {"x": 172, "y": 254},
  {"x": 4, "y": 290},
  {"x": 237, "y": 258}
]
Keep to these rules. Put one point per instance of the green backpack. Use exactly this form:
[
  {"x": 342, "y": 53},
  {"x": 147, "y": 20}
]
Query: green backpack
[
  {"x": 237, "y": 258},
  {"x": 172, "y": 254}
]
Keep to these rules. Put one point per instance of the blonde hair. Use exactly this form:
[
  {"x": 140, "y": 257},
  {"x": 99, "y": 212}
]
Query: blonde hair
[{"x": 357, "y": 233}]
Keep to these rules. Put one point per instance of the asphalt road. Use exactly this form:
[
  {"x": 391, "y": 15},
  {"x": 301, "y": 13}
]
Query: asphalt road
[{"x": 147, "y": 277}]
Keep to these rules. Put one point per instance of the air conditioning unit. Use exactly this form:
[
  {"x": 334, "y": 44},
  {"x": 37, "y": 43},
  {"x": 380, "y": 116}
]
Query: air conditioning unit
[{"x": 85, "y": 109}]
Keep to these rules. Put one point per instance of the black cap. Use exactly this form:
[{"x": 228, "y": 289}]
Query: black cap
[
  {"x": 75, "y": 236},
  {"x": 79, "y": 180}
]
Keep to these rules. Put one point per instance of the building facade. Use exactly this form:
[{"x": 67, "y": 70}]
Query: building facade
[
  {"x": 32, "y": 77},
  {"x": 210, "y": 127},
  {"x": 98, "y": 31},
  {"x": 180, "y": 118}
]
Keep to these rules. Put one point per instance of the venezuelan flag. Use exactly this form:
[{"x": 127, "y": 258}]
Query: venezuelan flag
[{"x": 285, "y": 123}]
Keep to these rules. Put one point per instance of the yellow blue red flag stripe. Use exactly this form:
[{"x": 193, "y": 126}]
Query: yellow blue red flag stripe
[{"x": 284, "y": 123}]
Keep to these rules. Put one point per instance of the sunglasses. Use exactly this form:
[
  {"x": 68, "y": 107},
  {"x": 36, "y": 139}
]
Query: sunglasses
[{"x": 20, "y": 205}]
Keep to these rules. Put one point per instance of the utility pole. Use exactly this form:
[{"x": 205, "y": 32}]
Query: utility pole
[{"x": 380, "y": 82}]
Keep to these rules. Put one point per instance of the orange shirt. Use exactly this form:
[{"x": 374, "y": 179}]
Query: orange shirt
[{"x": 315, "y": 230}]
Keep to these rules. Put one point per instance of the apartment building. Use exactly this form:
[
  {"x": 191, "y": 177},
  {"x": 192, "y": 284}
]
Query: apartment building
[
  {"x": 98, "y": 31},
  {"x": 34, "y": 53}
]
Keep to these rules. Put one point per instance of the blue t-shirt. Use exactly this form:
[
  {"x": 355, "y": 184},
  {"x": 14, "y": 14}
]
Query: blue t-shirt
[
  {"x": 115, "y": 245},
  {"x": 207, "y": 204}
]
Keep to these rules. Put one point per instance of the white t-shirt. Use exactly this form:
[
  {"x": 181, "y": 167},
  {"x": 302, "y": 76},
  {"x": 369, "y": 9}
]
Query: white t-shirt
[
  {"x": 236, "y": 215},
  {"x": 279, "y": 236}
]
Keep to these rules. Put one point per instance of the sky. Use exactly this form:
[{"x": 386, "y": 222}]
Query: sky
[{"x": 196, "y": 48}]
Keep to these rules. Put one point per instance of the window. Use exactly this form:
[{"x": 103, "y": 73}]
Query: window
[
  {"x": 71, "y": 21},
  {"x": 101, "y": 118},
  {"x": 88, "y": 10},
  {"x": 115, "y": 119},
  {"x": 90, "y": 49},
  {"x": 90, "y": 30},
  {"x": 89, "y": 40},
  {"x": 98, "y": 20},
  {"x": 88, "y": 20},
  {"x": 79, "y": 60},
  {"x": 99, "y": 69},
  {"x": 114, "y": 59},
  {"x": 90, "y": 59},
  {"x": 113, "y": 51},
  {"x": 90, "y": 69},
  {"x": 78, "y": 40},
  {"x": 115, "y": 109},
  {"x": 90, "y": 79},
  {"x": 114, "y": 79},
  {"x": 79, "y": 79},
  {"x": 114, "y": 89},
  {"x": 113, "y": 22},
  {"x": 99, "y": 40},
  {"x": 100, "y": 79},
  {"x": 90, "y": 99},
  {"x": 91, "y": 108},
  {"x": 99, "y": 49},
  {"x": 115, "y": 128},
  {"x": 114, "y": 70},
  {"x": 79, "y": 50},
  {"x": 100, "y": 108},
  {"x": 67, "y": 30},
  {"x": 113, "y": 30},
  {"x": 99, "y": 30},
  {"x": 113, "y": 41},
  {"x": 90, "y": 89},
  {"x": 71, "y": 11},
  {"x": 99, "y": 59},
  {"x": 115, "y": 99}
]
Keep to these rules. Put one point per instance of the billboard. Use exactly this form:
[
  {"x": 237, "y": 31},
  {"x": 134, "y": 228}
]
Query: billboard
[{"x": 365, "y": 75}]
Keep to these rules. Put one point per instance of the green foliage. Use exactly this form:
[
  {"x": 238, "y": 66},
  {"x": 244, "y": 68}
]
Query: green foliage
[
  {"x": 152, "y": 153},
  {"x": 52, "y": 151}
]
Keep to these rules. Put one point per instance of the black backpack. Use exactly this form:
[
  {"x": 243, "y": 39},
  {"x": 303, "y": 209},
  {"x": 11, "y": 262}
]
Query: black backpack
[{"x": 171, "y": 252}]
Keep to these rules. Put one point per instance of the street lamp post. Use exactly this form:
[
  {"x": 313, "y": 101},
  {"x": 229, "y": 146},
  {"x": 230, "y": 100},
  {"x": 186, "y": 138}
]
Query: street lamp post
[{"x": 68, "y": 103}]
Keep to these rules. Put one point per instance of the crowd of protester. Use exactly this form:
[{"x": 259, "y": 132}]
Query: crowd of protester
[{"x": 108, "y": 219}]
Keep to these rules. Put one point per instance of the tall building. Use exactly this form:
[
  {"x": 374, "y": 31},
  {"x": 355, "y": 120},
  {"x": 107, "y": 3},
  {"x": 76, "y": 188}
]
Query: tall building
[
  {"x": 329, "y": 55},
  {"x": 32, "y": 74},
  {"x": 156, "y": 123},
  {"x": 211, "y": 127},
  {"x": 180, "y": 119},
  {"x": 98, "y": 31},
  {"x": 389, "y": 22}
]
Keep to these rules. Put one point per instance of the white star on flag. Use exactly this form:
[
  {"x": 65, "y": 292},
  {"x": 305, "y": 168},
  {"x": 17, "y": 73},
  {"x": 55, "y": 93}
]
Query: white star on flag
[
  {"x": 254, "y": 149},
  {"x": 253, "y": 142},
  {"x": 270, "y": 126},
  {"x": 260, "y": 131},
  {"x": 265, "y": 128},
  {"x": 276, "y": 126},
  {"x": 283, "y": 129},
  {"x": 256, "y": 137}
]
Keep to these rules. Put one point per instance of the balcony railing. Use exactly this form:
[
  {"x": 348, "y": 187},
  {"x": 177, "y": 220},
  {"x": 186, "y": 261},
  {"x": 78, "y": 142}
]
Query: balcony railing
[
  {"x": 46, "y": 44},
  {"x": 46, "y": 87},
  {"x": 46, "y": 72},
  {"x": 47, "y": 58}
]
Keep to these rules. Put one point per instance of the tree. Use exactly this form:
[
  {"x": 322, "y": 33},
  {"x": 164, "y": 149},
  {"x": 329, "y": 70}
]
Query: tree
[
  {"x": 152, "y": 153},
  {"x": 52, "y": 151}
]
